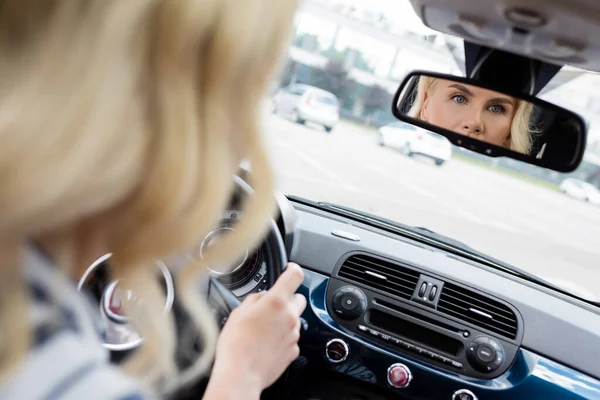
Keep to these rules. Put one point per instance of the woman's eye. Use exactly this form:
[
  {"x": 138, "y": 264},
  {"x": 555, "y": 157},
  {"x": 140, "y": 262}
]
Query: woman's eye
[
  {"x": 459, "y": 99},
  {"x": 496, "y": 109}
]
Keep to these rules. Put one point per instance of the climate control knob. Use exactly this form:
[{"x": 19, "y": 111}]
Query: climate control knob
[
  {"x": 399, "y": 376},
  {"x": 485, "y": 354}
]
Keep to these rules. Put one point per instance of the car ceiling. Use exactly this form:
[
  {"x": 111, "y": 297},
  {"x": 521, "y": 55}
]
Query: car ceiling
[{"x": 564, "y": 32}]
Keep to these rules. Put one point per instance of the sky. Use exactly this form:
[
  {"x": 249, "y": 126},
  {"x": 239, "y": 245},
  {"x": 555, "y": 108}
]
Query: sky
[{"x": 400, "y": 12}]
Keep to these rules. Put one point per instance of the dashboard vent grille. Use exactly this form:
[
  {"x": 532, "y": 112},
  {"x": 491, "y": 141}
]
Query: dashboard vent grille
[
  {"x": 477, "y": 309},
  {"x": 379, "y": 274}
]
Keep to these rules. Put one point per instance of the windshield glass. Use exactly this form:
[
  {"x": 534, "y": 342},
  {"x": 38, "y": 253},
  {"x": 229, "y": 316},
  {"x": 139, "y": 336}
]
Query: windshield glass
[
  {"x": 326, "y": 99},
  {"x": 523, "y": 215}
]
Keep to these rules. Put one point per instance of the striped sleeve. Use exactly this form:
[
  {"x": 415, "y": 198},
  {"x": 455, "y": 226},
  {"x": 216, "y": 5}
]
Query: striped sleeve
[
  {"x": 68, "y": 361},
  {"x": 64, "y": 368}
]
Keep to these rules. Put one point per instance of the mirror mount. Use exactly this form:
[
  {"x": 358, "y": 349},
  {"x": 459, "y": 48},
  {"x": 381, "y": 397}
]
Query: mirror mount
[{"x": 510, "y": 71}]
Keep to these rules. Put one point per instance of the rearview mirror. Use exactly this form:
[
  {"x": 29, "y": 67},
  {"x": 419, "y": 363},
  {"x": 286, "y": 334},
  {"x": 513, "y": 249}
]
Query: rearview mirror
[{"x": 491, "y": 121}]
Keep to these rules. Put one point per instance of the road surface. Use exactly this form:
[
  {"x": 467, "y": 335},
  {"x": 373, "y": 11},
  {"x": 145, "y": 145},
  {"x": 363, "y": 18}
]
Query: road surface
[{"x": 531, "y": 227}]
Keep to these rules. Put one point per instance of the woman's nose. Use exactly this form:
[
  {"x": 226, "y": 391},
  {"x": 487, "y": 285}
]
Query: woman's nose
[{"x": 474, "y": 126}]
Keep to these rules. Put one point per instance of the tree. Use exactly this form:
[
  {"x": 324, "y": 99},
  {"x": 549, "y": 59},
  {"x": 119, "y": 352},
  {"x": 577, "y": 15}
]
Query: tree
[
  {"x": 349, "y": 57},
  {"x": 287, "y": 73},
  {"x": 376, "y": 98},
  {"x": 308, "y": 42},
  {"x": 334, "y": 78}
]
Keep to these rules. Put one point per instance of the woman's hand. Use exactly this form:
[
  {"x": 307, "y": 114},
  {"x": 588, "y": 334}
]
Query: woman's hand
[{"x": 259, "y": 340}]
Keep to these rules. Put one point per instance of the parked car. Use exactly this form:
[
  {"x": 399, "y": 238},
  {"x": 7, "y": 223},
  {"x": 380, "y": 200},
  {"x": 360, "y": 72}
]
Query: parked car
[
  {"x": 580, "y": 190},
  {"x": 413, "y": 140},
  {"x": 304, "y": 103}
]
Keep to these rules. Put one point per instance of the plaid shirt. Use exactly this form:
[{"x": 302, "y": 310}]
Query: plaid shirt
[{"x": 68, "y": 360}]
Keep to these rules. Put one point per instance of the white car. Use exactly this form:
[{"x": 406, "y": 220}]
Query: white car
[
  {"x": 413, "y": 140},
  {"x": 580, "y": 190},
  {"x": 304, "y": 103}
]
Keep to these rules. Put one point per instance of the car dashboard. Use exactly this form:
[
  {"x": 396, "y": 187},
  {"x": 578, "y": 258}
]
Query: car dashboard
[{"x": 391, "y": 317}]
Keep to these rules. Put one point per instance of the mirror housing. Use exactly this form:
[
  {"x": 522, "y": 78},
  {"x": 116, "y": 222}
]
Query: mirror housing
[{"x": 554, "y": 137}]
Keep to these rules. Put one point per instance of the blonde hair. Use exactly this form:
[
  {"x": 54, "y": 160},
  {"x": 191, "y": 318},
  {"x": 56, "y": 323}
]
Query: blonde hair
[
  {"x": 520, "y": 137},
  {"x": 136, "y": 113}
]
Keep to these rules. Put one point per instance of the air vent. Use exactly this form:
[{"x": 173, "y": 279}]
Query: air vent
[
  {"x": 378, "y": 274},
  {"x": 479, "y": 310}
]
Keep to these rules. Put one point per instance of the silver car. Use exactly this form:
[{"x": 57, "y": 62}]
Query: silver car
[
  {"x": 412, "y": 140},
  {"x": 580, "y": 190},
  {"x": 304, "y": 103}
]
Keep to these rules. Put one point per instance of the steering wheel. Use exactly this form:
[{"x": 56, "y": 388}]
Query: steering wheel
[
  {"x": 275, "y": 256},
  {"x": 120, "y": 337}
]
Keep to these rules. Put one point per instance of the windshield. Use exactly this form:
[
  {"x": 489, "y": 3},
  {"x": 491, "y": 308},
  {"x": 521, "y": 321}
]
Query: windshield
[
  {"x": 404, "y": 126},
  {"x": 436, "y": 136},
  {"x": 326, "y": 99},
  {"x": 517, "y": 213}
]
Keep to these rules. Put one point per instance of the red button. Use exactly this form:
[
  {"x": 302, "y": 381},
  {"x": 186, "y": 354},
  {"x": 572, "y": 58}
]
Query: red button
[{"x": 399, "y": 376}]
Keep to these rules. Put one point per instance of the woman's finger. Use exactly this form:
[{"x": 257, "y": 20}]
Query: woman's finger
[
  {"x": 254, "y": 297},
  {"x": 288, "y": 282},
  {"x": 298, "y": 304}
]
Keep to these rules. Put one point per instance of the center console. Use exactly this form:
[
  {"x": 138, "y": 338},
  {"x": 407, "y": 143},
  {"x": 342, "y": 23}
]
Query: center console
[{"x": 426, "y": 317}]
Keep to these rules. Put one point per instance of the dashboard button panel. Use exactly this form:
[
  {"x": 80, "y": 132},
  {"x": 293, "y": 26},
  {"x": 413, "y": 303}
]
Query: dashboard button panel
[
  {"x": 447, "y": 347},
  {"x": 427, "y": 291},
  {"x": 414, "y": 349}
]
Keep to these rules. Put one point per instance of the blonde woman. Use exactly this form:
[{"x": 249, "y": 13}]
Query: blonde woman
[
  {"x": 475, "y": 112},
  {"x": 121, "y": 126}
]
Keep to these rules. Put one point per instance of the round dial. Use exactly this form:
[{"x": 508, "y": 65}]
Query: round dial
[
  {"x": 485, "y": 354},
  {"x": 248, "y": 273},
  {"x": 349, "y": 302}
]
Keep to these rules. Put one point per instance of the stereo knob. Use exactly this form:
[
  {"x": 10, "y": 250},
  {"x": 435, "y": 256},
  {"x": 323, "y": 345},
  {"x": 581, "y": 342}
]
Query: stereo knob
[
  {"x": 336, "y": 351},
  {"x": 349, "y": 302},
  {"x": 485, "y": 354}
]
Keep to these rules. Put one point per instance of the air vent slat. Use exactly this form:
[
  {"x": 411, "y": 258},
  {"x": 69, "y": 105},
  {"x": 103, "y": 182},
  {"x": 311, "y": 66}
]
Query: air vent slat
[
  {"x": 501, "y": 310},
  {"x": 478, "y": 322},
  {"x": 477, "y": 309},
  {"x": 508, "y": 320},
  {"x": 362, "y": 262},
  {"x": 363, "y": 275},
  {"x": 382, "y": 275},
  {"x": 465, "y": 311},
  {"x": 376, "y": 285},
  {"x": 358, "y": 269}
]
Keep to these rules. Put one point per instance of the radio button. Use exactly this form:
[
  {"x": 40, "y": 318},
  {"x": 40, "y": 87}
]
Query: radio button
[
  {"x": 399, "y": 376},
  {"x": 374, "y": 333},
  {"x": 485, "y": 353},
  {"x": 432, "y": 293},
  {"x": 336, "y": 351}
]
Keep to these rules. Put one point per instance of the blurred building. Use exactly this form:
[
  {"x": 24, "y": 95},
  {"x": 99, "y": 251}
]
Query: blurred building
[{"x": 365, "y": 42}]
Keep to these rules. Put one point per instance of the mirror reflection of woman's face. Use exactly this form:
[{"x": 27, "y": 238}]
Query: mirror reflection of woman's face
[{"x": 469, "y": 110}]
